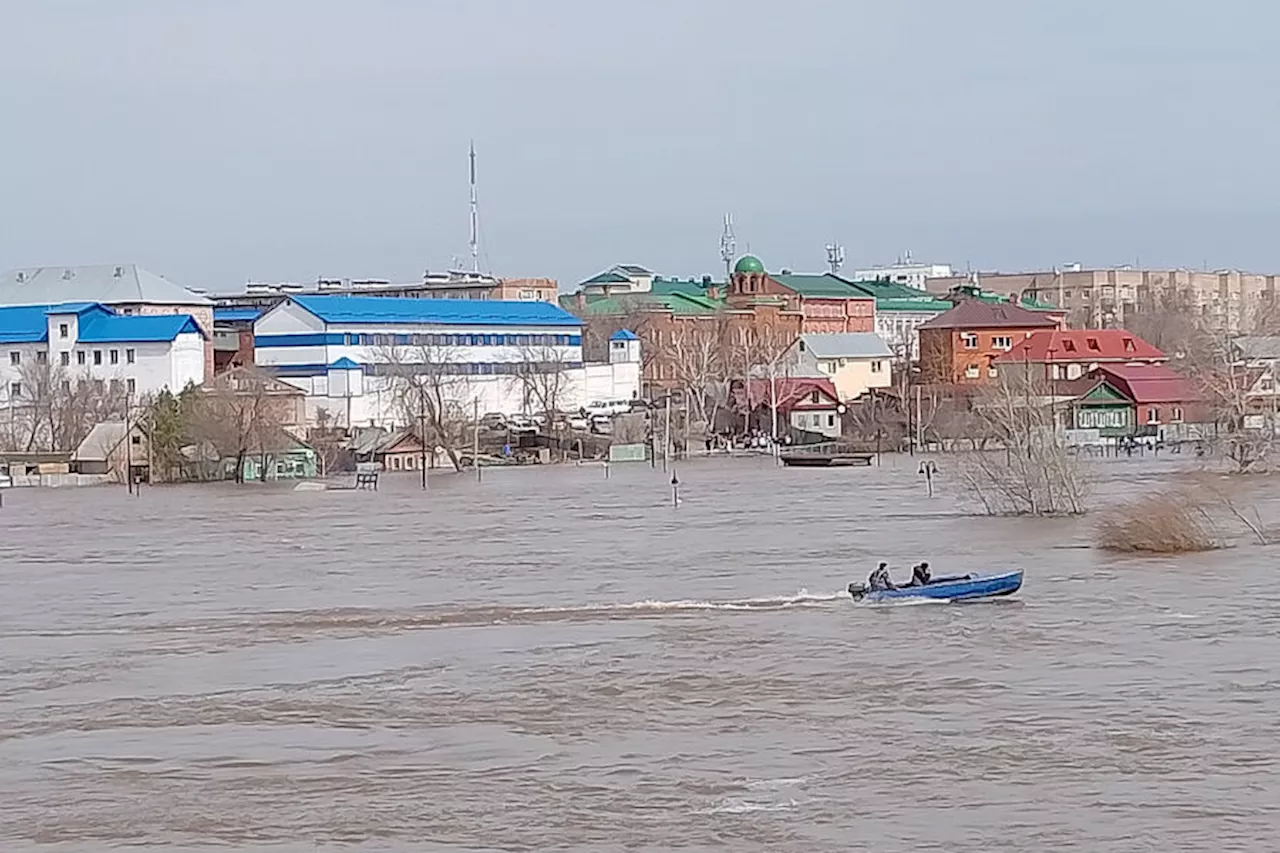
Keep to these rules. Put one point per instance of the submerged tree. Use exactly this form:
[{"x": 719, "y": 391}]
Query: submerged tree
[{"x": 1034, "y": 473}]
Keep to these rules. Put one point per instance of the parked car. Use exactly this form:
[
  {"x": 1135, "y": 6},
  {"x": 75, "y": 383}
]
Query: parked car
[
  {"x": 607, "y": 407},
  {"x": 521, "y": 425},
  {"x": 578, "y": 422},
  {"x": 493, "y": 421},
  {"x": 602, "y": 424}
]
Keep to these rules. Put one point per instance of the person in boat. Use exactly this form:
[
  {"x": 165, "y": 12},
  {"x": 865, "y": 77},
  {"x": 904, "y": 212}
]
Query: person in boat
[
  {"x": 920, "y": 574},
  {"x": 879, "y": 579}
]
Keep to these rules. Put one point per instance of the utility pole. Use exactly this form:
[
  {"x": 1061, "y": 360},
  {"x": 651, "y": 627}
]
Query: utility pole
[
  {"x": 666, "y": 439},
  {"x": 422, "y": 425},
  {"x": 475, "y": 439},
  {"x": 128, "y": 446}
]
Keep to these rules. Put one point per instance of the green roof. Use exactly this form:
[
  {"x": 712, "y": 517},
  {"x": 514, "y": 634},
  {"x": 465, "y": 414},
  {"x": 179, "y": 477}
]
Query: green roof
[
  {"x": 609, "y": 277},
  {"x": 824, "y": 284},
  {"x": 625, "y": 303},
  {"x": 748, "y": 263}
]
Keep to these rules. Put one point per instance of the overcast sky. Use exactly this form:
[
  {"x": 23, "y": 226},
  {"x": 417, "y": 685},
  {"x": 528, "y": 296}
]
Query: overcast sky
[{"x": 215, "y": 141}]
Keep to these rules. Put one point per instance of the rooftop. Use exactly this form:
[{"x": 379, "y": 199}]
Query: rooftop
[
  {"x": 460, "y": 312},
  {"x": 1150, "y": 383},
  {"x": 29, "y": 324},
  {"x": 846, "y": 345},
  {"x": 105, "y": 283},
  {"x": 1082, "y": 345},
  {"x": 977, "y": 314},
  {"x": 820, "y": 285}
]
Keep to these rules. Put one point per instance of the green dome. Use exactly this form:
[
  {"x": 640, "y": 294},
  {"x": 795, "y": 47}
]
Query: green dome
[{"x": 748, "y": 263}]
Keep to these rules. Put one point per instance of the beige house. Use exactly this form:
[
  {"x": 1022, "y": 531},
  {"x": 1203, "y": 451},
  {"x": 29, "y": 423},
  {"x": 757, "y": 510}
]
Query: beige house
[{"x": 855, "y": 362}]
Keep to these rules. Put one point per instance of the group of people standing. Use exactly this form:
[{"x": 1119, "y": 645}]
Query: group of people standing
[{"x": 880, "y": 580}]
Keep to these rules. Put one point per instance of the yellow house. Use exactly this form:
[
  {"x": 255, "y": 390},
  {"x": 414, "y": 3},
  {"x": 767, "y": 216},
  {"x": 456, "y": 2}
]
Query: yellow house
[{"x": 855, "y": 362}]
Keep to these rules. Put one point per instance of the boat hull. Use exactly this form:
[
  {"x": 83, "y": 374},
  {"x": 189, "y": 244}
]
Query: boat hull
[{"x": 967, "y": 588}]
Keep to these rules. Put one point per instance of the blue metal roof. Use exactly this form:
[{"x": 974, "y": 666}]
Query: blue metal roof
[
  {"x": 456, "y": 312},
  {"x": 104, "y": 328},
  {"x": 29, "y": 324},
  {"x": 344, "y": 363},
  {"x": 23, "y": 324},
  {"x": 624, "y": 335},
  {"x": 236, "y": 315}
]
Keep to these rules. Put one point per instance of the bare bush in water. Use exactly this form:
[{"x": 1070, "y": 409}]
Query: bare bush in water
[{"x": 1159, "y": 524}]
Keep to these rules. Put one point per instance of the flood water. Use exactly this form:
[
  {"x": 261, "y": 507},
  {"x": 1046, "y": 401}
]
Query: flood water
[{"x": 553, "y": 660}]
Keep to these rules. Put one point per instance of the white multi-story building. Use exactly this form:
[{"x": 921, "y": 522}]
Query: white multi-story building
[
  {"x": 124, "y": 288},
  {"x": 347, "y": 353},
  {"x": 82, "y": 341},
  {"x": 905, "y": 271}
]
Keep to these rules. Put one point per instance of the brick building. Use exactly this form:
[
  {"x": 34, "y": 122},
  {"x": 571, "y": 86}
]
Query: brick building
[{"x": 959, "y": 346}]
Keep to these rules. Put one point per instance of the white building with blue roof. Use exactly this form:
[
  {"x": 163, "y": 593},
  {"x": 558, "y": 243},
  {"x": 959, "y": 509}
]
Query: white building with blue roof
[
  {"x": 87, "y": 341},
  {"x": 342, "y": 351}
]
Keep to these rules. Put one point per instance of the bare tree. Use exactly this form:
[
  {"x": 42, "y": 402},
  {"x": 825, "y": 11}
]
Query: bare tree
[
  {"x": 430, "y": 391},
  {"x": 760, "y": 351},
  {"x": 237, "y": 415},
  {"x": 1245, "y": 431},
  {"x": 699, "y": 355},
  {"x": 53, "y": 410},
  {"x": 542, "y": 379},
  {"x": 635, "y": 314},
  {"x": 1035, "y": 474}
]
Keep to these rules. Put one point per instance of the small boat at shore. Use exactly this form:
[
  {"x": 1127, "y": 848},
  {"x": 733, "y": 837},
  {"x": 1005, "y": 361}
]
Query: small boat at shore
[{"x": 955, "y": 588}]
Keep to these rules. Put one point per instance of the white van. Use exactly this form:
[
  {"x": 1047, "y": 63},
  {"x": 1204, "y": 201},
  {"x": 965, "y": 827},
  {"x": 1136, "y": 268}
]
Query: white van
[{"x": 608, "y": 408}]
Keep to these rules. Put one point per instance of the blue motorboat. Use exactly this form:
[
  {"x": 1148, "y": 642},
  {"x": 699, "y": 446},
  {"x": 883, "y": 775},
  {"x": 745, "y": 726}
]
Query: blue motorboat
[{"x": 953, "y": 588}]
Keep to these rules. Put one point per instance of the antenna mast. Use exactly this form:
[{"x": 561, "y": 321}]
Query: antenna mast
[
  {"x": 475, "y": 215},
  {"x": 728, "y": 245},
  {"x": 835, "y": 257}
]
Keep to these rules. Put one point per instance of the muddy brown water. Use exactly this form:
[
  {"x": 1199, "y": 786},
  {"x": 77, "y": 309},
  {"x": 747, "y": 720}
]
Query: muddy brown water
[{"x": 553, "y": 660}]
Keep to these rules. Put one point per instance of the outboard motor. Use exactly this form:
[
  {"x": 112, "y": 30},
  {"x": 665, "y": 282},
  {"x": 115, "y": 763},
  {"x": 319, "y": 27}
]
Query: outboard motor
[{"x": 857, "y": 590}]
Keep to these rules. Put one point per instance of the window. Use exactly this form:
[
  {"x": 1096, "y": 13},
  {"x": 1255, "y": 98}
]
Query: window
[
  {"x": 877, "y": 366},
  {"x": 129, "y": 356},
  {"x": 1003, "y": 342},
  {"x": 831, "y": 420},
  {"x": 969, "y": 339},
  {"x": 42, "y": 357},
  {"x": 80, "y": 359},
  {"x": 15, "y": 390},
  {"x": 814, "y": 398},
  {"x": 66, "y": 386},
  {"x": 971, "y": 372},
  {"x": 131, "y": 385},
  {"x": 97, "y": 358},
  {"x": 136, "y": 440},
  {"x": 114, "y": 356},
  {"x": 992, "y": 371},
  {"x": 63, "y": 330},
  {"x": 15, "y": 358},
  {"x": 1153, "y": 415},
  {"x": 64, "y": 358}
]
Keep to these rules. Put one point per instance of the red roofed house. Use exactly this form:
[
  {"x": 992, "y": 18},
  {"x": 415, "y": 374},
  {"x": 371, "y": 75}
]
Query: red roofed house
[
  {"x": 806, "y": 404},
  {"x": 1133, "y": 399},
  {"x": 959, "y": 345},
  {"x": 1071, "y": 353},
  {"x": 1160, "y": 395}
]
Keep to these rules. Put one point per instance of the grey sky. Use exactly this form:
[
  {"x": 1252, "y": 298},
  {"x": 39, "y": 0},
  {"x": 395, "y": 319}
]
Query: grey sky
[{"x": 285, "y": 139}]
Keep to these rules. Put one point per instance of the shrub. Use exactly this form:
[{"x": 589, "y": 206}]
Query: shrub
[{"x": 1158, "y": 524}]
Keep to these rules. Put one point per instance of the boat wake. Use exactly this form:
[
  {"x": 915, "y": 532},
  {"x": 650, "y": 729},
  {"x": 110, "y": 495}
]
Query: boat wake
[{"x": 362, "y": 620}]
